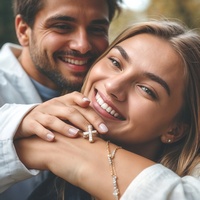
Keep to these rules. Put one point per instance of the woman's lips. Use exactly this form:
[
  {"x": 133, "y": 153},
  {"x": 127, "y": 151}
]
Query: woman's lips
[{"x": 108, "y": 108}]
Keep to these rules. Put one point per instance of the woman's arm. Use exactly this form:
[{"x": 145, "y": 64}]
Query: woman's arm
[{"x": 82, "y": 163}]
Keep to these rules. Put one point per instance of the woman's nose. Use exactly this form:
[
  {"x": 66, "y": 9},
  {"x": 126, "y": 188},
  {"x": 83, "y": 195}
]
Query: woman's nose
[{"x": 117, "y": 88}]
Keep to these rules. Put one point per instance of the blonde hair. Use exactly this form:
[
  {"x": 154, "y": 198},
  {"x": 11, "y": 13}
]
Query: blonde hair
[{"x": 182, "y": 156}]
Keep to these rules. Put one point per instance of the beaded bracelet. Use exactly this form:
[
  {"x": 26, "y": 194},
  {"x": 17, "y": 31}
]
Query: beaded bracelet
[{"x": 111, "y": 156}]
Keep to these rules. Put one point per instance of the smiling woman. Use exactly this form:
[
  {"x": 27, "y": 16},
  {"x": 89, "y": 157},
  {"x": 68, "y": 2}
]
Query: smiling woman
[
  {"x": 149, "y": 99},
  {"x": 135, "y": 79}
]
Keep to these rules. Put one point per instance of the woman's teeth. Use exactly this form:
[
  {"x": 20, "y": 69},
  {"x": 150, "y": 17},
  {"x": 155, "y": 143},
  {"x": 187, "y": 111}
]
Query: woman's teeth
[{"x": 105, "y": 106}]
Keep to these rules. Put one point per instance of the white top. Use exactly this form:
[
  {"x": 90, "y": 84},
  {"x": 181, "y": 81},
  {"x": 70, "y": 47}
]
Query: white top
[
  {"x": 16, "y": 88},
  {"x": 159, "y": 183}
]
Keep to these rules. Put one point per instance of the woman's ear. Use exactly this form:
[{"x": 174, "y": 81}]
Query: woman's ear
[
  {"x": 22, "y": 30},
  {"x": 174, "y": 134}
]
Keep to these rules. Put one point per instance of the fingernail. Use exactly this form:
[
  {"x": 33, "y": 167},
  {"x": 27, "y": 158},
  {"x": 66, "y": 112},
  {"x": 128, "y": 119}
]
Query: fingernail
[
  {"x": 50, "y": 136},
  {"x": 103, "y": 128},
  {"x": 73, "y": 131},
  {"x": 86, "y": 99}
]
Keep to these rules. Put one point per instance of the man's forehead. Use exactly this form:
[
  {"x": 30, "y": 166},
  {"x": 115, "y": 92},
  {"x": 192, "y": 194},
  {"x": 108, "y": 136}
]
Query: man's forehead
[{"x": 69, "y": 10}]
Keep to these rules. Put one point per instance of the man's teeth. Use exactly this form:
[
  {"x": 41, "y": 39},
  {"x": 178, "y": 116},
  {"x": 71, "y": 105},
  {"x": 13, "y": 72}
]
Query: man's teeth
[
  {"x": 75, "y": 62},
  {"x": 105, "y": 106}
]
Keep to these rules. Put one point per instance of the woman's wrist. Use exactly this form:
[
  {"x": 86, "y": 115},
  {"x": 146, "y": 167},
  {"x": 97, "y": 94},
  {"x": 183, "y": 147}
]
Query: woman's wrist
[{"x": 127, "y": 166}]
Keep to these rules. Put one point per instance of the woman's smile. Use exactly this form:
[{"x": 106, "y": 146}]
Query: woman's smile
[{"x": 105, "y": 108}]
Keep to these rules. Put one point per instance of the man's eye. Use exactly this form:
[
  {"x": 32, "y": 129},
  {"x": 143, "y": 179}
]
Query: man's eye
[
  {"x": 99, "y": 30},
  {"x": 62, "y": 27}
]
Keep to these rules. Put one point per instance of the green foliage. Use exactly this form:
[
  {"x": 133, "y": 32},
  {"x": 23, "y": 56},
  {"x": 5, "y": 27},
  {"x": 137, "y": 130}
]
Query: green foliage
[{"x": 7, "y": 33}]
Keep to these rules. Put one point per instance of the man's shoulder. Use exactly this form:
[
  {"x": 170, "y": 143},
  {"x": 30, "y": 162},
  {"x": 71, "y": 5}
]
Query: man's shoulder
[
  {"x": 10, "y": 50},
  {"x": 10, "y": 45},
  {"x": 9, "y": 54}
]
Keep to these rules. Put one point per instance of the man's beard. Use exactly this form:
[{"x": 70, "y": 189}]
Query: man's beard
[
  {"x": 44, "y": 66},
  {"x": 61, "y": 82}
]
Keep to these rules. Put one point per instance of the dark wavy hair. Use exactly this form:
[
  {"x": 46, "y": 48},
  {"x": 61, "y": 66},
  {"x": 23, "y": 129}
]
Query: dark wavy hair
[{"x": 28, "y": 9}]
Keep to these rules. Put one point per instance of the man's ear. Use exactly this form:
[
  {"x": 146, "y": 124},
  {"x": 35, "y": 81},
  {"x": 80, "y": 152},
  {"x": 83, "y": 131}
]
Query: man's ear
[
  {"x": 175, "y": 133},
  {"x": 22, "y": 31}
]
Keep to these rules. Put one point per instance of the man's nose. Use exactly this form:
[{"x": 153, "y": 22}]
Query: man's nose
[{"x": 80, "y": 42}]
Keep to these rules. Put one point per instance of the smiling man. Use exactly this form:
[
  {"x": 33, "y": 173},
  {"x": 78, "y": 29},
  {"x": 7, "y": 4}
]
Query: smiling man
[{"x": 59, "y": 40}]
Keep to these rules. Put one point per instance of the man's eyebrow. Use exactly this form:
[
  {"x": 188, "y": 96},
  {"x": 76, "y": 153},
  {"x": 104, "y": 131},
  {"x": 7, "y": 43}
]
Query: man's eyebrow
[
  {"x": 72, "y": 19},
  {"x": 100, "y": 21},
  {"x": 158, "y": 80},
  {"x": 61, "y": 18},
  {"x": 122, "y": 52}
]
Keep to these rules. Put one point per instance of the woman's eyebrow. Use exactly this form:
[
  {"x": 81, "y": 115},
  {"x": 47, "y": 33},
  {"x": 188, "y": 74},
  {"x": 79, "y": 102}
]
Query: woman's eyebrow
[
  {"x": 158, "y": 80},
  {"x": 147, "y": 74},
  {"x": 123, "y": 53}
]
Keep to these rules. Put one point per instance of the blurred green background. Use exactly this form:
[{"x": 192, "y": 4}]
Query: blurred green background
[
  {"x": 7, "y": 31},
  {"x": 187, "y": 11}
]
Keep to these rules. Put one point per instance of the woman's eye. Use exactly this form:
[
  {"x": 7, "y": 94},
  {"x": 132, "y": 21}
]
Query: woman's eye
[
  {"x": 148, "y": 91},
  {"x": 115, "y": 63}
]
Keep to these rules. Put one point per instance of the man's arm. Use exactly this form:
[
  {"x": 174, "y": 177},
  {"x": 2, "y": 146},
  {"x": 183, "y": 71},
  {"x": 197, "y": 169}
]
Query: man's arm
[{"x": 11, "y": 168}]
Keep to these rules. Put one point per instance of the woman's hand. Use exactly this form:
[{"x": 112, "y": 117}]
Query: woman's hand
[{"x": 66, "y": 115}]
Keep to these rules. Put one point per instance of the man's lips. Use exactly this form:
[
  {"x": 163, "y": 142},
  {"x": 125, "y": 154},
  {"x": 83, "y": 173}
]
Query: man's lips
[
  {"x": 74, "y": 61},
  {"x": 75, "y": 64},
  {"x": 105, "y": 106}
]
